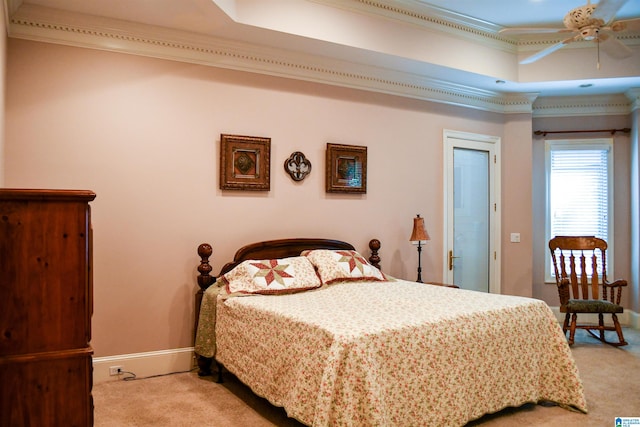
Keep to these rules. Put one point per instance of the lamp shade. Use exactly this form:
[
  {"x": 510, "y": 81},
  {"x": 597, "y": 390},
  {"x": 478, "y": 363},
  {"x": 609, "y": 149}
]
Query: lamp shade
[{"x": 419, "y": 233}]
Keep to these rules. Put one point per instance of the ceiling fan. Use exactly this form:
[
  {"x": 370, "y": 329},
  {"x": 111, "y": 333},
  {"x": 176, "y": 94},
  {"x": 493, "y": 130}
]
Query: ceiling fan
[{"x": 590, "y": 22}]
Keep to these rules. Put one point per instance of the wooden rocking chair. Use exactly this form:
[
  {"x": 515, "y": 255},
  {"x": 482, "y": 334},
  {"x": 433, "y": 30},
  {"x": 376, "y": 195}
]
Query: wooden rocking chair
[{"x": 582, "y": 255}]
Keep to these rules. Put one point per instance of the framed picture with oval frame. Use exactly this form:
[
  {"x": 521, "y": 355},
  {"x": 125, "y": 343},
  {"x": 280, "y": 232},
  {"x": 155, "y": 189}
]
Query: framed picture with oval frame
[
  {"x": 245, "y": 162},
  {"x": 346, "y": 168}
]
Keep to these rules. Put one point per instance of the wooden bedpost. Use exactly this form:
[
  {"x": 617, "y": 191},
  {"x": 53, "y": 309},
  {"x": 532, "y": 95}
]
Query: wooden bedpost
[
  {"x": 374, "y": 259},
  {"x": 204, "y": 281}
]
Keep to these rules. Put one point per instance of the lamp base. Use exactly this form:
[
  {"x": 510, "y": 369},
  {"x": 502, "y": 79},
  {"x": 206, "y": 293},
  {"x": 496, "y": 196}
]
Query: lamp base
[{"x": 419, "y": 279}]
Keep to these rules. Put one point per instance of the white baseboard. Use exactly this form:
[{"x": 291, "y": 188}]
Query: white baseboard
[
  {"x": 144, "y": 364},
  {"x": 628, "y": 318}
]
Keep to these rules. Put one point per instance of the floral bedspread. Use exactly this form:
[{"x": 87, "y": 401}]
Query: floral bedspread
[{"x": 394, "y": 353}]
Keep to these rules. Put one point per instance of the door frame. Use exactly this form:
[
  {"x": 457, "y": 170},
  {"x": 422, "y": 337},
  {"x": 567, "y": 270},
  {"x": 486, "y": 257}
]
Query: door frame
[{"x": 448, "y": 138}]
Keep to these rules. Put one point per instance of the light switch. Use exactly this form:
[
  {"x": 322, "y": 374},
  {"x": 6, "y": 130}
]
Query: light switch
[{"x": 515, "y": 237}]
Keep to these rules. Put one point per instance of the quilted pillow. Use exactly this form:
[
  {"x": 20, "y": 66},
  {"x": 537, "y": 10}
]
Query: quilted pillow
[
  {"x": 342, "y": 265},
  {"x": 272, "y": 276}
]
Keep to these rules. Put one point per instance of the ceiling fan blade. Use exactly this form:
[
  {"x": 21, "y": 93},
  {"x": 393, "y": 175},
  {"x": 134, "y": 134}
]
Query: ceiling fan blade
[
  {"x": 549, "y": 50},
  {"x": 626, "y": 24},
  {"x": 607, "y": 9},
  {"x": 614, "y": 47},
  {"x": 532, "y": 30}
]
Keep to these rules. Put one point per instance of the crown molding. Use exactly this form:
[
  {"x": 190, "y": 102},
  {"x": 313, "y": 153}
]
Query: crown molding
[
  {"x": 633, "y": 95},
  {"x": 55, "y": 26},
  {"x": 576, "y": 106}
]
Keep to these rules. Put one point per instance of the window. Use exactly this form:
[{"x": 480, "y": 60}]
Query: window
[{"x": 579, "y": 192}]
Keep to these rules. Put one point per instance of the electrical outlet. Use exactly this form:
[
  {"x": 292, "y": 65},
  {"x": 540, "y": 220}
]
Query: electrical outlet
[{"x": 115, "y": 370}]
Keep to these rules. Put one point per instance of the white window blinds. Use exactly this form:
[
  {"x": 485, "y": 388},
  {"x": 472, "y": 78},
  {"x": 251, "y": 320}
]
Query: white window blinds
[
  {"x": 579, "y": 189},
  {"x": 579, "y": 196}
]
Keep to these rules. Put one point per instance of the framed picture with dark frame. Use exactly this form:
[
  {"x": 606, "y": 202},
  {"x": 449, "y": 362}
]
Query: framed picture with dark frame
[
  {"x": 346, "y": 168},
  {"x": 245, "y": 163}
]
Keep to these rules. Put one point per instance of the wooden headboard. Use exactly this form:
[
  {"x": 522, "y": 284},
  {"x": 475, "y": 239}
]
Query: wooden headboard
[{"x": 272, "y": 249}]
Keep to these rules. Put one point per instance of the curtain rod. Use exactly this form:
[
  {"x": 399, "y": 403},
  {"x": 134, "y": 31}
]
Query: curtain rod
[{"x": 612, "y": 131}]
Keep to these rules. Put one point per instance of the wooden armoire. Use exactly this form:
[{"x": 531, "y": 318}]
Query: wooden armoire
[{"x": 46, "y": 306}]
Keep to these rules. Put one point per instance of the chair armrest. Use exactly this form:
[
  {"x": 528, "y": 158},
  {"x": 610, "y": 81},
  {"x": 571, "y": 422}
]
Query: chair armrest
[
  {"x": 563, "y": 290},
  {"x": 616, "y": 284},
  {"x": 614, "y": 297}
]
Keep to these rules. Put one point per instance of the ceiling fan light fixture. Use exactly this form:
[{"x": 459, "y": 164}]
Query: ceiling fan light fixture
[{"x": 590, "y": 33}]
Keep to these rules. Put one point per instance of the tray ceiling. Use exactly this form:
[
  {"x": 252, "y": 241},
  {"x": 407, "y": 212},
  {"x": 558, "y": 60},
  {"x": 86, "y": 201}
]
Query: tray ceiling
[{"x": 439, "y": 50}]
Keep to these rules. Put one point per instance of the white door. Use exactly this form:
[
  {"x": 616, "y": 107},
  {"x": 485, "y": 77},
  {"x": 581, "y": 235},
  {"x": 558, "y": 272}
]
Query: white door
[{"x": 471, "y": 211}]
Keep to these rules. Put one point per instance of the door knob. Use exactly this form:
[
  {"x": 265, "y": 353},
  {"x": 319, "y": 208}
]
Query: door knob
[{"x": 451, "y": 258}]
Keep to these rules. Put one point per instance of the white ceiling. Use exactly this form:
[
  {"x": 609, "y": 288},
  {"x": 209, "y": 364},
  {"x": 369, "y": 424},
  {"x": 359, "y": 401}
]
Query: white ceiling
[
  {"x": 526, "y": 13},
  {"x": 454, "y": 43}
]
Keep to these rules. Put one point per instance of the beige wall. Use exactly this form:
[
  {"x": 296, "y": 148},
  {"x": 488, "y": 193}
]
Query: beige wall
[
  {"x": 144, "y": 135},
  {"x": 516, "y": 201}
]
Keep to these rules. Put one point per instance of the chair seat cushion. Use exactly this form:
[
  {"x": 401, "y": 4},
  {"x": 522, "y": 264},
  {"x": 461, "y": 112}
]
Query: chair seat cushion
[{"x": 591, "y": 306}]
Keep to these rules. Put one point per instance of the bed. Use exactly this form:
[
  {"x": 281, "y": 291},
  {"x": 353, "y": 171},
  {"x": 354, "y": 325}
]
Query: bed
[{"x": 356, "y": 347}]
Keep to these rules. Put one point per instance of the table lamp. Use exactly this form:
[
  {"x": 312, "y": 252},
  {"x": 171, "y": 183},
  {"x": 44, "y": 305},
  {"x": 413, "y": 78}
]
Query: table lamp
[{"x": 420, "y": 235}]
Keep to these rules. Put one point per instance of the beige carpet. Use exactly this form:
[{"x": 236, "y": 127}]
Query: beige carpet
[{"x": 611, "y": 378}]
